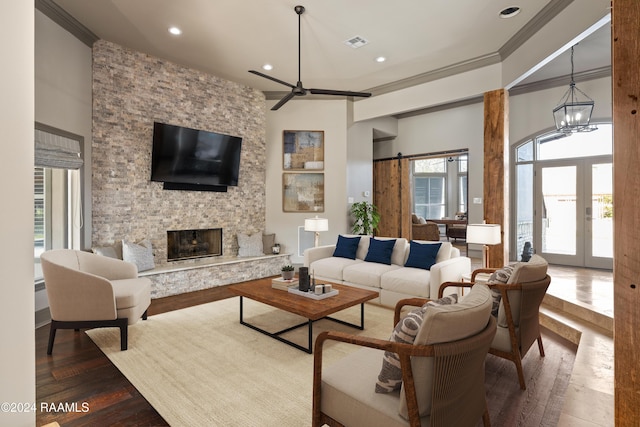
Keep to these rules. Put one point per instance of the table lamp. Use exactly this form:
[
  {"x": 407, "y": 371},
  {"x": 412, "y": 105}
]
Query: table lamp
[
  {"x": 484, "y": 234},
  {"x": 316, "y": 225}
]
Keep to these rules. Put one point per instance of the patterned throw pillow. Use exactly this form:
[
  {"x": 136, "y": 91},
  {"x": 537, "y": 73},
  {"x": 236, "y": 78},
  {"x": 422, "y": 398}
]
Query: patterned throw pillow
[
  {"x": 499, "y": 276},
  {"x": 390, "y": 377},
  {"x": 250, "y": 245},
  {"x": 141, "y": 254}
]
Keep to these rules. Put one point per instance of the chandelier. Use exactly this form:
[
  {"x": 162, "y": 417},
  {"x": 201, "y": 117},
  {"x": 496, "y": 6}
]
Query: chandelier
[{"x": 572, "y": 113}]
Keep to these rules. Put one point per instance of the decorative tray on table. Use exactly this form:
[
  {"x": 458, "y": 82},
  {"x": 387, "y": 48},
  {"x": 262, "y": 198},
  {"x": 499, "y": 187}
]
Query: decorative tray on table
[{"x": 311, "y": 294}]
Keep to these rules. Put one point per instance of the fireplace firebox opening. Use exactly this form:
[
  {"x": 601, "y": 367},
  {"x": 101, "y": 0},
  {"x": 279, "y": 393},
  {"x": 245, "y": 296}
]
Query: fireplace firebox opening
[{"x": 186, "y": 244}]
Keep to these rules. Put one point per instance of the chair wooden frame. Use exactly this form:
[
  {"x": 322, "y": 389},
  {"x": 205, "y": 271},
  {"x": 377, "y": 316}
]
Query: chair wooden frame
[
  {"x": 529, "y": 322},
  {"x": 442, "y": 354}
]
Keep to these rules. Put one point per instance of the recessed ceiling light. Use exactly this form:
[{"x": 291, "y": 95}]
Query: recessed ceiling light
[
  {"x": 175, "y": 31},
  {"x": 267, "y": 67},
  {"x": 509, "y": 12},
  {"x": 381, "y": 59}
]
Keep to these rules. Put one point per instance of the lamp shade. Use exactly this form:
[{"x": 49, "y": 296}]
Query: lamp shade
[
  {"x": 316, "y": 224},
  {"x": 483, "y": 234}
]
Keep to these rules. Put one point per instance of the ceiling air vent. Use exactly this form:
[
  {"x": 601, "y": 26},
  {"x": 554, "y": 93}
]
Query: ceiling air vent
[{"x": 356, "y": 42}]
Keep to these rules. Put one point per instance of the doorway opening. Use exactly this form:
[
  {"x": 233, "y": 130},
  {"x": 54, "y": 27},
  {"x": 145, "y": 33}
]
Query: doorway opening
[{"x": 564, "y": 198}]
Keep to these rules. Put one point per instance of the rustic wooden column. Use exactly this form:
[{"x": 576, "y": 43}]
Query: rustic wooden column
[
  {"x": 626, "y": 192},
  {"x": 496, "y": 170}
]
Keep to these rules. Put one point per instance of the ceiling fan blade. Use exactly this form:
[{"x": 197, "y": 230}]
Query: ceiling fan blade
[
  {"x": 339, "y": 92},
  {"x": 283, "y": 101},
  {"x": 258, "y": 73}
]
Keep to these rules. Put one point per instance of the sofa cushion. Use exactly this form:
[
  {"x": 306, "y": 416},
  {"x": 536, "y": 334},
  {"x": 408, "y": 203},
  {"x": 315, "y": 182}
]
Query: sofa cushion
[
  {"x": 408, "y": 281},
  {"x": 390, "y": 377},
  {"x": 346, "y": 247},
  {"x": 250, "y": 245},
  {"x": 332, "y": 268},
  {"x": 398, "y": 256},
  {"x": 446, "y": 323},
  {"x": 355, "y": 402},
  {"x": 380, "y": 251},
  {"x": 422, "y": 255},
  {"x": 141, "y": 254},
  {"x": 367, "y": 273}
]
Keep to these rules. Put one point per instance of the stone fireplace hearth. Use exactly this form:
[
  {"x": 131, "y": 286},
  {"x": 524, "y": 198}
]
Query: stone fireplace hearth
[{"x": 187, "y": 244}]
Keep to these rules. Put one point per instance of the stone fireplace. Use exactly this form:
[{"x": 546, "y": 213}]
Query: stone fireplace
[{"x": 187, "y": 244}]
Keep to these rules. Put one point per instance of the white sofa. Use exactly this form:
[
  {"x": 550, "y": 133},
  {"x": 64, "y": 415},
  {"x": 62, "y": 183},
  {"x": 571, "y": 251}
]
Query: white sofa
[{"x": 395, "y": 281}]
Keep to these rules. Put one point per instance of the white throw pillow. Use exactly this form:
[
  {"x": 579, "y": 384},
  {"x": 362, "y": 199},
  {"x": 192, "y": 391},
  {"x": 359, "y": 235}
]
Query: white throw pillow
[
  {"x": 250, "y": 245},
  {"x": 141, "y": 254}
]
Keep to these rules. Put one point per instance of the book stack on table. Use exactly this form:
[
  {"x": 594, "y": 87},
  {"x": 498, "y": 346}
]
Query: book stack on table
[{"x": 283, "y": 284}]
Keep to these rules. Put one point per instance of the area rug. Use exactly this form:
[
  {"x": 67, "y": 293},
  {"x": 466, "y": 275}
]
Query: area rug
[{"x": 199, "y": 367}]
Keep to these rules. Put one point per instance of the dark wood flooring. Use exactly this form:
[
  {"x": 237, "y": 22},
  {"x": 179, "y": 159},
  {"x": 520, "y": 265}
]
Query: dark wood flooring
[{"x": 78, "y": 372}]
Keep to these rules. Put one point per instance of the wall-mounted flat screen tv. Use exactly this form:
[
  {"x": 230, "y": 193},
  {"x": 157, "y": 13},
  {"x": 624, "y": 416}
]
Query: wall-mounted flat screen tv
[{"x": 192, "y": 159}]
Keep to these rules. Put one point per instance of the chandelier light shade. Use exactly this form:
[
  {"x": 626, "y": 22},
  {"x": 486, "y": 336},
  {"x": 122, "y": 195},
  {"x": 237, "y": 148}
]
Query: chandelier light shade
[
  {"x": 484, "y": 234},
  {"x": 316, "y": 225},
  {"x": 573, "y": 113}
]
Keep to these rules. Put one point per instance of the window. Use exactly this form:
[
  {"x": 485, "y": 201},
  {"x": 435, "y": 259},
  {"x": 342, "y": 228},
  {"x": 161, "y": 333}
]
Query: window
[
  {"x": 429, "y": 187},
  {"x": 56, "y": 194}
]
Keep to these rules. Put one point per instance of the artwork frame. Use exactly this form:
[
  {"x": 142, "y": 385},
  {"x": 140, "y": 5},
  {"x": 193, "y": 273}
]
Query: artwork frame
[
  {"x": 302, "y": 192},
  {"x": 303, "y": 150}
]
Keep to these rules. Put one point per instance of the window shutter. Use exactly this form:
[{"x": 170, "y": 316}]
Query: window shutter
[{"x": 55, "y": 151}]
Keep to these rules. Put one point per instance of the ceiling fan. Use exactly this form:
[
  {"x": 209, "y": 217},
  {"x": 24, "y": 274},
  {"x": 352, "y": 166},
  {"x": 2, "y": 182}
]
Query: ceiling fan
[{"x": 298, "y": 89}]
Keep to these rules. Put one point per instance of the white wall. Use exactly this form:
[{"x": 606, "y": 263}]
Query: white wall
[
  {"x": 17, "y": 346},
  {"x": 451, "y": 129},
  {"x": 63, "y": 100},
  {"x": 331, "y": 117},
  {"x": 63, "y": 92}
]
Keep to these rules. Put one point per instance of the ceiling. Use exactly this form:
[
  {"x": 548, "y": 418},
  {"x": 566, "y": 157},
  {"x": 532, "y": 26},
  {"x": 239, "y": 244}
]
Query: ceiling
[{"x": 229, "y": 37}]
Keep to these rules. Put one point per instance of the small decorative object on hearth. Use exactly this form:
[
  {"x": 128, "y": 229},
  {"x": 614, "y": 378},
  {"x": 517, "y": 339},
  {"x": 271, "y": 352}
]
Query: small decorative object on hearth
[
  {"x": 275, "y": 249},
  {"x": 287, "y": 272}
]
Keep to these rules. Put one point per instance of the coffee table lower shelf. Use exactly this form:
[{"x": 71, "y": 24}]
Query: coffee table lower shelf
[{"x": 309, "y": 323}]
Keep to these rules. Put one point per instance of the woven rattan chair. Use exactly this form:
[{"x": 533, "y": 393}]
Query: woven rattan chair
[
  {"x": 518, "y": 314},
  {"x": 343, "y": 393}
]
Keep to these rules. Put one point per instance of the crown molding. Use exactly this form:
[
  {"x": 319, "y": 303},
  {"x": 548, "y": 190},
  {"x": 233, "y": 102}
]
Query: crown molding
[
  {"x": 542, "y": 18},
  {"x": 66, "y": 21},
  {"x": 584, "y": 76}
]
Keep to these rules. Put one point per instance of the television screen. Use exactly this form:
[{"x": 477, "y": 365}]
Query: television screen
[{"x": 194, "y": 157}]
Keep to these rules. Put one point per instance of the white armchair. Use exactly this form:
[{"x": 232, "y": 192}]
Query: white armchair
[{"x": 92, "y": 291}]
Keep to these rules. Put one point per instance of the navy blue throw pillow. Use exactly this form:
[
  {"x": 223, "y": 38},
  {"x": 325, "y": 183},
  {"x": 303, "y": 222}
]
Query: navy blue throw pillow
[
  {"x": 422, "y": 255},
  {"x": 346, "y": 247},
  {"x": 380, "y": 251}
]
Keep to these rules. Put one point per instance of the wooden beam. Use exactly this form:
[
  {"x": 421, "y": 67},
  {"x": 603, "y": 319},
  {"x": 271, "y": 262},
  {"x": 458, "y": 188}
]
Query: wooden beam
[
  {"x": 496, "y": 171},
  {"x": 626, "y": 158}
]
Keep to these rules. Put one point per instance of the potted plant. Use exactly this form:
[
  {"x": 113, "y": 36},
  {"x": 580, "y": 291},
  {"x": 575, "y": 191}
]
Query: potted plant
[
  {"x": 287, "y": 272},
  {"x": 366, "y": 218}
]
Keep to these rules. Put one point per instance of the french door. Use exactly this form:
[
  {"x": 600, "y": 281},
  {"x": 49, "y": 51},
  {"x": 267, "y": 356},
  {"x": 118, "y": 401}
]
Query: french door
[{"x": 574, "y": 211}]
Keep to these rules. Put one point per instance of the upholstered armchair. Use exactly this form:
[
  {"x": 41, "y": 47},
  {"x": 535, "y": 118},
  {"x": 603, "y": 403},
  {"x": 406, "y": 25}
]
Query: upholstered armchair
[
  {"x": 518, "y": 292},
  {"x": 424, "y": 230},
  {"x": 93, "y": 291},
  {"x": 442, "y": 371}
]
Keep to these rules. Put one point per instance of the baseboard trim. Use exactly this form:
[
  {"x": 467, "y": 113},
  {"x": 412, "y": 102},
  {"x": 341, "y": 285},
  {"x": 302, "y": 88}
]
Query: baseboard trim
[{"x": 43, "y": 317}]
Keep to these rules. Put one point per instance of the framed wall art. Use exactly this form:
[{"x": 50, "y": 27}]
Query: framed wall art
[
  {"x": 303, "y": 192},
  {"x": 303, "y": 149}
]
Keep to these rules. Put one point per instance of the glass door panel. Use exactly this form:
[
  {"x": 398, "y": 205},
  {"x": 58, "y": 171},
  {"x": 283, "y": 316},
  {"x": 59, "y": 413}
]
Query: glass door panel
[
  {"x": 558, "y": 213},
  {"x": 599, "y": 217}
]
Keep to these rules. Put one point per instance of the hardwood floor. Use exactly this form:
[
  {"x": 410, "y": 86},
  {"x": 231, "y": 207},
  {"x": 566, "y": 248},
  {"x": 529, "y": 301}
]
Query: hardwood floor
[{"x": 79, "y": 373}]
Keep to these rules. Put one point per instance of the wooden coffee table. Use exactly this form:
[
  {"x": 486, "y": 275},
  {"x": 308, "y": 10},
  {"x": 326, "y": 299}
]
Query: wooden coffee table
[{"x": 308, "y": 308}]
